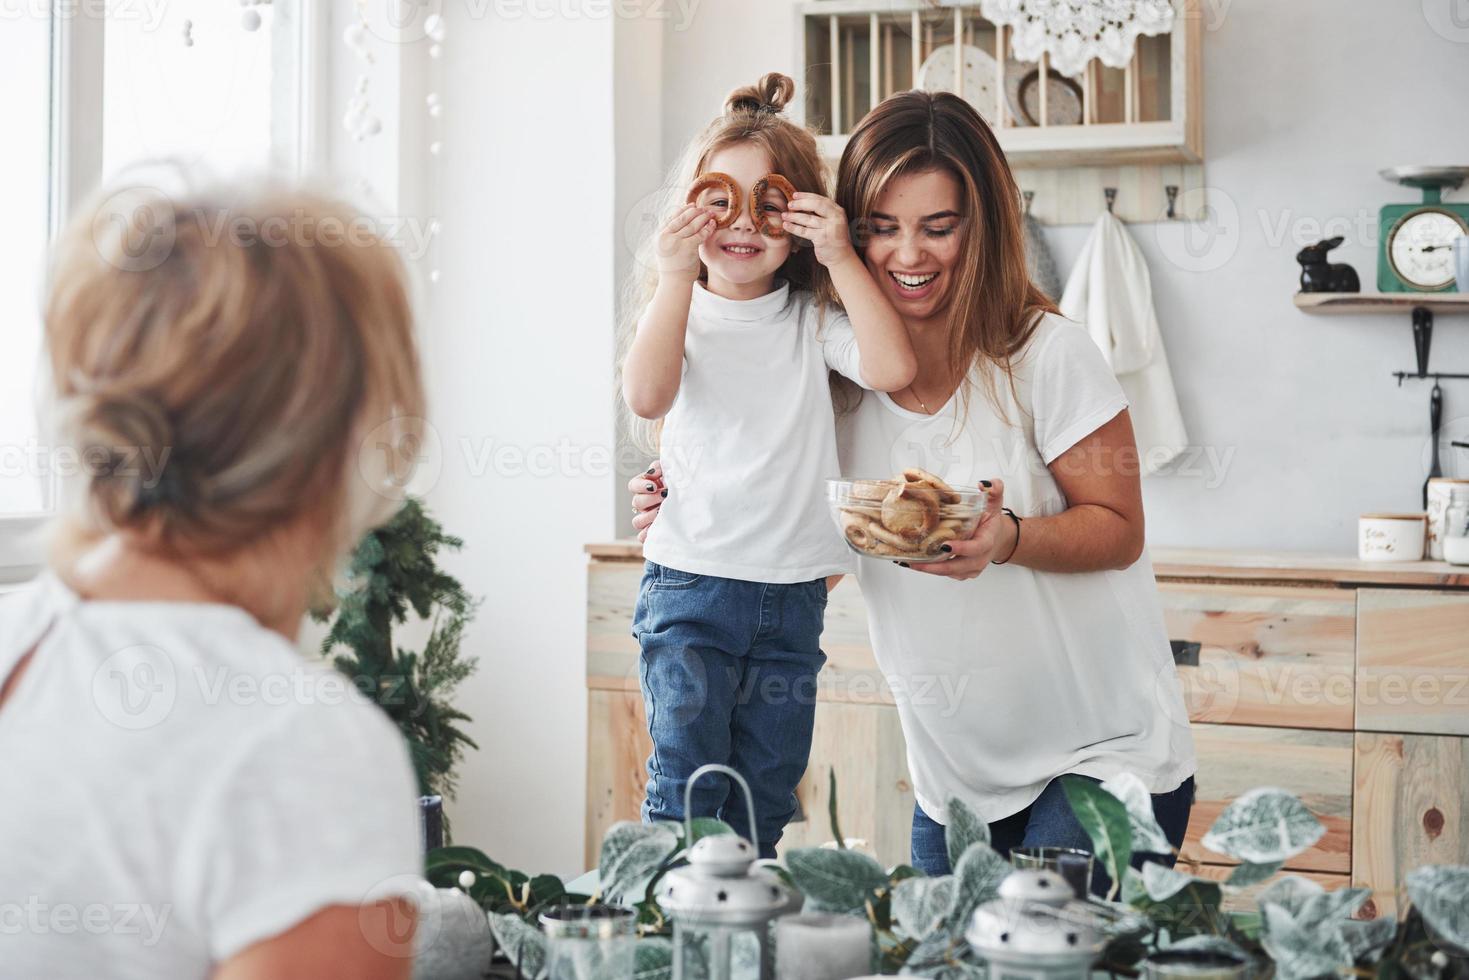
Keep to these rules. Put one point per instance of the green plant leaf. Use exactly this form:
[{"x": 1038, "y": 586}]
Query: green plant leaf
[
  {"x": 1105, "y": 820},
  {"x": 1328, "y": 908},
  {"x": 706, "y": 827},
  {"x": 1367, "y": 937},
  {"x": 1264, "y": 825},
  {"x": 1210, "y": 944},
  {"x": 834, "y": 880},
  {"x": 1146, "y": 834},
  {"x": 921, "y": 905},
  {"x": 1162, "y": 883},
  {"x": 632, "y": 854},
  {"x": 902, "y": 872},
  {"x": 546, "y": 889},
  {"x": 1247, "y": 873},
  {"x": 1298, "y": 953},
  {"x": 977, "y": 879},
  {"x": 831, "y": 808},
  {"x": 964, "y": 828},
  {"x": 452, "y": 860},
  {"x": 654, "y": 959},
  {"x": 1441, "y": 895},
  {"x": 930, "y": 954},
  {"x": 1290, "y": 893},
  {"x": 521, "y": 942}
]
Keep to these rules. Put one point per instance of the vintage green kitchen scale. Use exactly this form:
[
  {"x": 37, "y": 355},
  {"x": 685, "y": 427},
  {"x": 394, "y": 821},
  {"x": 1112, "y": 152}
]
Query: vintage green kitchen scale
[{"x": 1415, "y": 250}]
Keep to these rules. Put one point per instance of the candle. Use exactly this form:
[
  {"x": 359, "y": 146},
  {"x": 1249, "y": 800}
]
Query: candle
[
  {"x": 431, "y": 821},
  {"x": 812, "y": 946}
]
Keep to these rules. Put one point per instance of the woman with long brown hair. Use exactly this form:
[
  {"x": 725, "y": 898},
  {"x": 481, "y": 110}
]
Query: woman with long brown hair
[{"x": 1056, "y": 660}]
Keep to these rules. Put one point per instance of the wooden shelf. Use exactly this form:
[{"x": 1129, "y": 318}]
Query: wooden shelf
[{"x": 1342, "y": 303}]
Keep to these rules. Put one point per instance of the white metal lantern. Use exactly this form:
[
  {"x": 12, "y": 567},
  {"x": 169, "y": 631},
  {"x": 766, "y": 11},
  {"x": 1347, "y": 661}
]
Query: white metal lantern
[
  {"x": 1035, "y": 930},
  {"x": 721, "y": 904}
]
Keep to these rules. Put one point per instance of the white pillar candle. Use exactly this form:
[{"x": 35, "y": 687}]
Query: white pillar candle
[{"x": 813, "y": 946}]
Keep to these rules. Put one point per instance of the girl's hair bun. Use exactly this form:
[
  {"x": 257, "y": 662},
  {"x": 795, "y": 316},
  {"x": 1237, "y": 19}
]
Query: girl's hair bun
[{"x": 770, "y": 94}]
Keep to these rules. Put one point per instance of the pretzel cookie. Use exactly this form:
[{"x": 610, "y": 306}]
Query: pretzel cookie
[
  {"x": 765, "y": 224},
  {"x": 715, "y": 179}
]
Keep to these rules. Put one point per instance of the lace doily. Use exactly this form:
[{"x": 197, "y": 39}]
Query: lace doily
[{"x": 1073, "y": 32}]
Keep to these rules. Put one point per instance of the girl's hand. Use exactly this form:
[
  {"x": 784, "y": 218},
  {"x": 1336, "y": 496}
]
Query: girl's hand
[
  {"x": 678, "y": 243},
  {"x": 993, "y": 539},
  {"x": 648, "y": 492},
  {"x": 823, "y": 223}
]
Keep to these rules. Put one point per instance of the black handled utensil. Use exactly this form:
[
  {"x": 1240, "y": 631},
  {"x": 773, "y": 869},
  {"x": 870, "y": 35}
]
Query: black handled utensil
[{"x": 1435, "y": 419}]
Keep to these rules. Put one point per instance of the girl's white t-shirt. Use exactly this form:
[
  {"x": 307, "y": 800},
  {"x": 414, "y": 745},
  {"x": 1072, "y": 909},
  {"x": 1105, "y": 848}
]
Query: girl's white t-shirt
[
  {"x": 1013, "y": 678},
  {"x": 177, "y": 783},
  {"x": 749, "y": 443}
]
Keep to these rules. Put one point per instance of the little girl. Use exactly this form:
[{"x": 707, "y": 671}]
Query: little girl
[{"x": 732, "y": 352}]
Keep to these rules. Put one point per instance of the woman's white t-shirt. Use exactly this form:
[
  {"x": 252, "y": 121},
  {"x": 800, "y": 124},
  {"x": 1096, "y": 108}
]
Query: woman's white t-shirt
[
  {"x": 1011, "y": 679},
  {"x": 177, "y": 784},
  {"x": 748, "y": 446}
]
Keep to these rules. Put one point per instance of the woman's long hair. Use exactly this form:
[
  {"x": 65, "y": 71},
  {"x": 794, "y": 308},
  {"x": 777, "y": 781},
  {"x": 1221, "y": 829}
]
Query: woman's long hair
[{"x": 993, "y": 307}]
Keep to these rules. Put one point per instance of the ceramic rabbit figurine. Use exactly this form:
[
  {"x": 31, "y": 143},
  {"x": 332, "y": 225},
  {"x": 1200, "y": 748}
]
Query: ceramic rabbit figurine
[{"x": 1320, "y": 276}]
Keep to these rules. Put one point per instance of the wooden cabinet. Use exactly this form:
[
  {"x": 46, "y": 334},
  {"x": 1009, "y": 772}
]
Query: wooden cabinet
[
  {"x": 1413, "y": 661},
  {"x": 1409, "y": 808},
  {"x": 1263, "y": 654},
  {"x": 1345, "y": 683},
  {"x": 1315, "y": 765}
]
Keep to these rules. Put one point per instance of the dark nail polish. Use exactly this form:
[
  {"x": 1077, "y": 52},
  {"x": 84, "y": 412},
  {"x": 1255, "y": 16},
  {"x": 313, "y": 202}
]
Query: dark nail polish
[
  {"x": 984, "y": 483},
  {"x": 652, "y": 487},
  {"x": 663, "y": 494},
  {"x": 650, "y": 471},
  {"x": 945, "y": 548},
  {"x": 903, "y": 564}
]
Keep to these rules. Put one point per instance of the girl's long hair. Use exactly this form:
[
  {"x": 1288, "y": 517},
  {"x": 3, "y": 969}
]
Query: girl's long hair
[
  {"x": 994, "y": 307},
  {"x": 753, "y": 114}
]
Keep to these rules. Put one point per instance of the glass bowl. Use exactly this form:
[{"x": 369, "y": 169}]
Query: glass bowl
[{"x": 901, "y": 520}]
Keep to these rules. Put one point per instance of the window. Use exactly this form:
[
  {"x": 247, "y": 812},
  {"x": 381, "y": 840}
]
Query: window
[
  {"x": 25, "y": 181},
  {"x": 189, "y": 81},
  {"x": 95, "y": 88}
]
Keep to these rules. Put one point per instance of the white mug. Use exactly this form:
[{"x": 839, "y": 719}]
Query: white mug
[{"x": 1391, "y": 537}]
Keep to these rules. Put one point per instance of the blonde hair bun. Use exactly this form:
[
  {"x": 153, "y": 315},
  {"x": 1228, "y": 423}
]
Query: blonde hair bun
[
  {"x": 772, "y": 93},
  {"x": 125, "y": 440}
]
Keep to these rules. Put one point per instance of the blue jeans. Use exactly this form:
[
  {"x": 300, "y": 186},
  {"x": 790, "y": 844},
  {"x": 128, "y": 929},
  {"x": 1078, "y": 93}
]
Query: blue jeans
[
  {"x": 1049, "y": 822},
  {"x": 728, "y": 672}
]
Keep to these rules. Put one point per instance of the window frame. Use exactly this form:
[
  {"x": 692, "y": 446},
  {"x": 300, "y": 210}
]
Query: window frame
[{"x": 78, "y": 41}]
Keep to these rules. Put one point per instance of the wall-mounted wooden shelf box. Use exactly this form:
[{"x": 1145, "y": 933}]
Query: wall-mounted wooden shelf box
[{"x": 855, "y": 53}]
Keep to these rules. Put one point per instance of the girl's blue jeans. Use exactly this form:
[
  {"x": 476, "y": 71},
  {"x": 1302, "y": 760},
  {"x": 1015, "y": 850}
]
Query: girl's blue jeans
[
  {"x": 1049, "y": 822},
  {"x": 728, "y": 672}
]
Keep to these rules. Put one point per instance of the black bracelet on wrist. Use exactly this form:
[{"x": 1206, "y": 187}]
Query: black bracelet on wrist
[{"x": 1014, "y": 517}]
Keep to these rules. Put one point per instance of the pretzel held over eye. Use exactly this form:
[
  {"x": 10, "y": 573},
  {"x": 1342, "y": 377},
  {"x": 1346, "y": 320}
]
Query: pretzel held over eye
[
  {"x": 715, "y": 179},
  {"x": 767, "y": 225}
]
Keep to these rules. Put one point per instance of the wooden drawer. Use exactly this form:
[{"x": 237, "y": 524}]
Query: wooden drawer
[
  {"x": 1265, "y": 655},
  {"x": 1413, "y": 661},
  {"x": 1409, "y": 809},
  {"x": 1316, "y": 766}
]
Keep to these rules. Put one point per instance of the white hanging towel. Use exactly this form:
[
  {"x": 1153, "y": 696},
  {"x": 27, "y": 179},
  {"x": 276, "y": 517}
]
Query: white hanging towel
[{"x": 1111, "y": 293}]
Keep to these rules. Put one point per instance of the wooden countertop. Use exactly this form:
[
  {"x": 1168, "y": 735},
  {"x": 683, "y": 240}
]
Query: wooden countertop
[{"x": 1254, "y": 566}]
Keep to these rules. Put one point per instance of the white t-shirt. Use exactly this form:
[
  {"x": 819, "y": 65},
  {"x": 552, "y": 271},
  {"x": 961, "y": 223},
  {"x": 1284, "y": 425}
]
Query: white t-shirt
[
  {"x": 1011, "y": 679},
  {"x": 749, "y": 442},
  {"x": 177, "y": 784}
]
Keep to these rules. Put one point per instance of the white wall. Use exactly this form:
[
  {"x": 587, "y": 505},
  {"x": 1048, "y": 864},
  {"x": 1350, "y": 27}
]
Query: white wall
[
  {"x": 1304, "y": 103},
  {"x": 518, "y": 352}
]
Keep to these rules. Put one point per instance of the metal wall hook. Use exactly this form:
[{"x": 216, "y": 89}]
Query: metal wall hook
[
  {"x": 1111, "y": 195},
  {"x": 1029, "y": 197},
  {"x": 1172, "y": 191}
]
